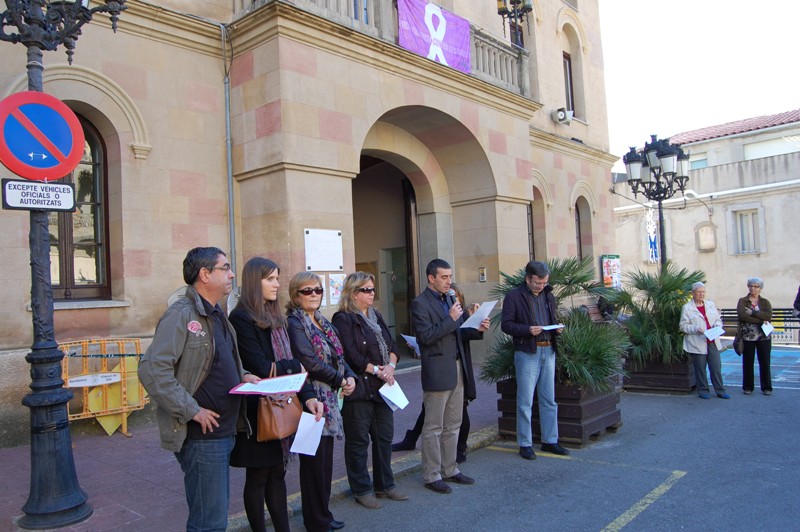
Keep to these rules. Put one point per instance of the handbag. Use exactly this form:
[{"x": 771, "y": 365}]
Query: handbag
[
  {"x": 278, "y": 414},
  {"x": 738, "y": 341}
]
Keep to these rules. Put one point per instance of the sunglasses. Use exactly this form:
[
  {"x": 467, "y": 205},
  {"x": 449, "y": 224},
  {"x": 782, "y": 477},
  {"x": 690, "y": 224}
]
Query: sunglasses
[
  {"x": 308, "y": 291},
  {"x": 366, "y": 290}
]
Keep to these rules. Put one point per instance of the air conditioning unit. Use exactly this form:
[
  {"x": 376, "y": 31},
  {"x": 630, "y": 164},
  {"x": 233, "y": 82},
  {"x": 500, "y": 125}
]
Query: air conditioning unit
[{"x": 562, "y": 116}]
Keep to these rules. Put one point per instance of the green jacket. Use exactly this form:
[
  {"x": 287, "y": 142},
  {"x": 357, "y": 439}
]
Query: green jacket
[{"x": 176, "y": 364}]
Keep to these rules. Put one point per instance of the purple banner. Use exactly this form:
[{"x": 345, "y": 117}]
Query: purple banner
[{"x": 430, "y": 31}]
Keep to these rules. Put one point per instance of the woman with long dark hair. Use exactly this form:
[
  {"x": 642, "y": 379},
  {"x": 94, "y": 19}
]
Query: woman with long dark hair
[
  {"x": 261, "y": 334},
  {"x": 315, "y": 343}
]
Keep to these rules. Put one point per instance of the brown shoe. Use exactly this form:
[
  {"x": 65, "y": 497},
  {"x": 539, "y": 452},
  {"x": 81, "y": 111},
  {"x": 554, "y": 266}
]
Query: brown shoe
[
  {"x": 393, "y": 494},
  {"x": 438, "y": 486},
  {"x": 368, "y": 500}
]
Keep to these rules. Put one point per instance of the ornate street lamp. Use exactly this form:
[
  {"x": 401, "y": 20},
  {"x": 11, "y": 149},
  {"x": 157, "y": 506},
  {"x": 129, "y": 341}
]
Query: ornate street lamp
[
  {"x": 55, "y": 499},
  {"x": 659, "y": 171},
  {"x": 515, "y": 11}
]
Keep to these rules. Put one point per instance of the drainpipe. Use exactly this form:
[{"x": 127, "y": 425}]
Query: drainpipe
[{"x": 229, "y": 151}]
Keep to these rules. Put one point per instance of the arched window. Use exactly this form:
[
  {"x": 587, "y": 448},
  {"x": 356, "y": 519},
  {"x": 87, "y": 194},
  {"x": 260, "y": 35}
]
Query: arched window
[{"x": 79, "y": 263}]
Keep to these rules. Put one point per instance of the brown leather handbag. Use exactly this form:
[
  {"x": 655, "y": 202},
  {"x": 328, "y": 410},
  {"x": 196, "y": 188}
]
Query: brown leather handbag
[{"x": 278, "y": 414}]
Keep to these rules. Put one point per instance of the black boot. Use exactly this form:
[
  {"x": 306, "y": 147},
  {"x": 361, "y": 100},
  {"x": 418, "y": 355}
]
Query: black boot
[{"x": 409, "y": 443}]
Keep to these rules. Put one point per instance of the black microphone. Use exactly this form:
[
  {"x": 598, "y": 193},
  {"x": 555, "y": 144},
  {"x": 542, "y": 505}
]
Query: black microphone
[{"x": 451, "y": 297}]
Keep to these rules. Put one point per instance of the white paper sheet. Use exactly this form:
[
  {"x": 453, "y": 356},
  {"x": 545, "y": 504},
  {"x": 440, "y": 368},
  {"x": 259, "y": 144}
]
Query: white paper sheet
[
  {"x": 412, "y": 341},
  {"x": 767, "y": 328},
  {"x": 553, "y": 327},
  {"x": 308, "y": 434},
  {"x": 394, "y": 396},
  {"x": 282, "y": 384},
  {"x": 474, "y": 321},
  {"x": 714, "y": 332}
]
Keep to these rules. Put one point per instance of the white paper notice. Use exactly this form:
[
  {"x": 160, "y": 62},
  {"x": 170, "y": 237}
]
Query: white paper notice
[
  {"x": 308, "y": 434},
  {"x": 767, "y": 328},
  {"x": 474, "y": 321},
  {"x": 553, "y": 327},
  {"x": 394, "y": 396},
  {"x": 714, "y": 332},
  {"x": 283, "y": 384},
  {"x": 412, "y": 341}
]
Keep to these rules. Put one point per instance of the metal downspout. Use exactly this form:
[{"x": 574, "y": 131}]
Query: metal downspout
[{"x": 229, "y": 151}]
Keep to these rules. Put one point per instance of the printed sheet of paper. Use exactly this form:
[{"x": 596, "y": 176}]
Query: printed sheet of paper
[
  {"x": 282, "y": 384},
  {"x": 412, "y": 341},
  {"x": 767, "y": 328},
  {"x": 394, "y": 396},
  {"x": 474, "y": 321},
  {"x": 308, "y": 434},
  {"x": 714, "y": 332},
  {"x": 553, "y": 327}
]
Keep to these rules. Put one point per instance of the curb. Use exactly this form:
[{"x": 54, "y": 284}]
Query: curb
[{"x": 402, "y": 467}]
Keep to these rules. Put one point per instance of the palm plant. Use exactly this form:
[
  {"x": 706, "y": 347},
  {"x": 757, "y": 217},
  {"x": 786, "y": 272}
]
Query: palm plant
[
  {"x": 589, "y": 354},
  {"x": 654, "y": 302}
]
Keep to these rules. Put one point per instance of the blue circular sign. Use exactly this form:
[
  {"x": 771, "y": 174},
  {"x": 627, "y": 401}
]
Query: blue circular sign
[{"x": 40, "y": 137}]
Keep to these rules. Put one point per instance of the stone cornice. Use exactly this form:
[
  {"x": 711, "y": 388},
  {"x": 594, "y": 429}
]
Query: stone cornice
[
  {"x": 293, "y": 167},
  {"x": 548, "y": 141},
  {"x": 155, "y": 23},
  {"x": 279, "y": 18},
  {"x": 491, "y": 199}
]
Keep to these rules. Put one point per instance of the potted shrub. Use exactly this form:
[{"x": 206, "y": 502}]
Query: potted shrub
[
  {"x": 588, "y": 365},
  {"x": 652, "y": 303}
]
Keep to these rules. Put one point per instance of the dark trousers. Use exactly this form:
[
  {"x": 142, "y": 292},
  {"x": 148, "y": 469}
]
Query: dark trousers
[
  {"x": 364, "y": 421},
  {"x": 316, "y": 474},
  {"x": 463, "y": 432},
  {"x": 763, "y": 348}
]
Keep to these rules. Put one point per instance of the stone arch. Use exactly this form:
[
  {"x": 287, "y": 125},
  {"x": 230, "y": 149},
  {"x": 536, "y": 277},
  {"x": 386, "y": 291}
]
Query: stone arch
[
  {"x": 582, "y": 188},
  {"x": 82, "y": 87},
  {"x": 540, "y": 182},
  {"x": 568, "y": 17}
]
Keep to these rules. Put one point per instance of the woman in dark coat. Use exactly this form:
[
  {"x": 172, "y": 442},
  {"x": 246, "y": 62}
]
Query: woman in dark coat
[
  {"x": 752, "y": 311},
  {"x": 315, "y": 343},
  {"x": 370, "y": 350},
  {"x": 262, "y": 339}
]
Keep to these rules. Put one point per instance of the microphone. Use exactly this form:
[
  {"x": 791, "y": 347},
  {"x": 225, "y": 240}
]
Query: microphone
[{"x": 451, "y": 297}]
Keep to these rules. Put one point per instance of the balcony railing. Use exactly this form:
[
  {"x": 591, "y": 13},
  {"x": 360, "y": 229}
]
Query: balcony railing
[{"x": 494, "y": 60}]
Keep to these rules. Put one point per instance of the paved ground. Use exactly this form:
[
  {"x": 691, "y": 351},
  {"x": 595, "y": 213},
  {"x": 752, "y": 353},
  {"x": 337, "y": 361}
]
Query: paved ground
[{"x": 678, "y": 462}]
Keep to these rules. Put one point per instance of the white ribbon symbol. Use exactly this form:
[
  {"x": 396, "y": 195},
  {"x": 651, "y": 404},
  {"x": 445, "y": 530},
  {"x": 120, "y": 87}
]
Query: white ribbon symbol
[{"x": 437, "y": 34}]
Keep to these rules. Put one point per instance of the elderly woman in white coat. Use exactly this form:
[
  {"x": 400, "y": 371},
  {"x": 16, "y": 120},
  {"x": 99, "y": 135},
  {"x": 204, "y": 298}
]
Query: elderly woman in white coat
[{"x": 697, "y": 316}]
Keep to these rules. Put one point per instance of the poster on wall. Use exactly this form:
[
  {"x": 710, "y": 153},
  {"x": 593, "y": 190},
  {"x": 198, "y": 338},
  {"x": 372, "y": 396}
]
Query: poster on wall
[
  {"x": 335, "y": 286},
  {"x": 612, "y": 271},
  {"x": 430, "y": 31}
]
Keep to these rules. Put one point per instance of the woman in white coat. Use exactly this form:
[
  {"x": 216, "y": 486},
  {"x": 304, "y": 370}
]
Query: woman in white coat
[{"x": 697, "y": 316}]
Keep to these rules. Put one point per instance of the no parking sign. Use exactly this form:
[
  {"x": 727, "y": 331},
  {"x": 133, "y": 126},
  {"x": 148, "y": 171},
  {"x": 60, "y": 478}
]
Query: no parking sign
[{"x": 40, "y": 137}]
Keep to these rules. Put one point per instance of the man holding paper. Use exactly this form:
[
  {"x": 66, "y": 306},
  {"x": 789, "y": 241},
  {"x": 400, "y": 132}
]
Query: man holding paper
[
  {"x": 701, "y": 325},
  {"x": 529, "y": 311},
  {"x": 436, "y": 316}
]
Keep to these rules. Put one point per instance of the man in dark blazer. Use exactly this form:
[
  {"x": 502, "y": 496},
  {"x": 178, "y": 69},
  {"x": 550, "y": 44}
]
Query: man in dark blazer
[
  {"x": 435, "y": 317},
  {"x": 527, "y": 309}
]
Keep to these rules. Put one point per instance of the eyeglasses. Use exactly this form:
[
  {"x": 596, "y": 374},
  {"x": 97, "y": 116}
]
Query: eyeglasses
[
  {"x": 225, "y": 267},
  {"x": 754, "y": 286},
  {"x": 308, "y": 291},
  {"x": 365, "y": 290}
]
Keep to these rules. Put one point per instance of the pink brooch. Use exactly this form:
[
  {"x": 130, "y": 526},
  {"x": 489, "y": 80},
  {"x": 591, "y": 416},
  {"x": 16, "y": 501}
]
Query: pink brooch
[{"x": 195, "y": 327}]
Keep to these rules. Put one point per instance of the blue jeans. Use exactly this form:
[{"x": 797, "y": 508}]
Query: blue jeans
[
  {"x": 207, "y": 482},
  {"x": 536, "y": 372}
]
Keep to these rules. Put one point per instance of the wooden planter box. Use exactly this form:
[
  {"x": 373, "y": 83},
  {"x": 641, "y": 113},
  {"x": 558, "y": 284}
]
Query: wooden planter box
[
  {"x": 582, "y": 414},
  {"x": 657, "y": 377}
]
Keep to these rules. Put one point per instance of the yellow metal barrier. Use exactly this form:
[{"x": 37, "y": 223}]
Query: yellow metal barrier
[{"x": 109, "y": 395}]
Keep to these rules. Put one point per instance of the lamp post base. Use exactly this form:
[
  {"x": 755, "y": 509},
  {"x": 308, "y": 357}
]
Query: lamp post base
[{"x": 55, "y": 520}]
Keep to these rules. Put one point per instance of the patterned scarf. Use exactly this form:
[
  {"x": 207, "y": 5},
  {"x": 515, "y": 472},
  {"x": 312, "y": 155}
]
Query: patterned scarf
[
  {"x": 372, "y": 321},
  {"x": 321, "y": 342},
  {"x": 282, "y": 351}
]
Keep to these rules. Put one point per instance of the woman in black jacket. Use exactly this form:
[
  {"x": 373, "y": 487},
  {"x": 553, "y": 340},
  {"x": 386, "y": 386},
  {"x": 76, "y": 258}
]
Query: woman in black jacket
[
  {"x": 262, "y": 339},
  {"x": 315, "y": 343},
  {"x": 370, "y": 351}
]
